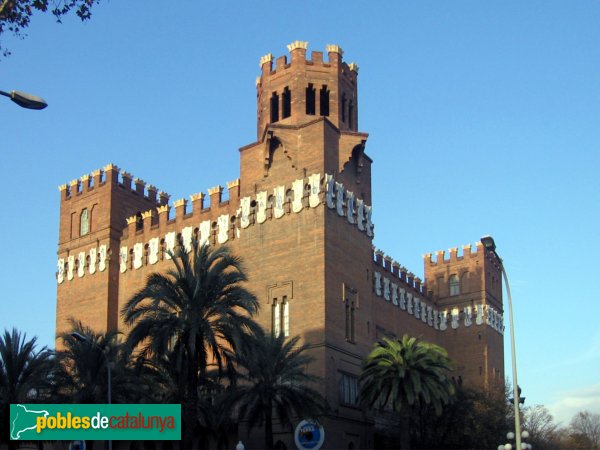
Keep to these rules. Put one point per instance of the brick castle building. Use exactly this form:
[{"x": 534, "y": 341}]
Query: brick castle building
[{"x": 300, "y": 217}]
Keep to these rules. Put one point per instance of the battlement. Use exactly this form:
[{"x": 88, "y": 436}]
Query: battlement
[
  {"x": 295, "y": 90},
  {"x": 111, "y": 175},
  {"x": 440, "y": 255},
  {"x": 298, "y": 51},
  {"x": 399, "y": 272}
]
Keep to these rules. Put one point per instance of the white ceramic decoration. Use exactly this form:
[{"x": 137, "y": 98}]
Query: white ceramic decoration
[
  {"x": 479, "y": 318},
  {"x": 81, "y": 264},
  {"x": 60, "y": 275},
  {"x": 350, "y": 206},
  {"x": 369, "y": 225},
  {"x": 409, "y": 303},
  {"x": 204, "y": 232},
  {"x": 360, "y": 214},
  {"x": 70, "y": 267},
  {"x": 138, "y": 255},
  {"x": 170, "y": 238},
  {"x": 245, "y": 212},
  {"x": 395, "y": 294},
  {"x": 377, "y": 283},
  {"x": 278, "y": 201},
  {"x": 186, "y": 236},
  {"x": 315, "y": 189},
  {"x": 261, "y": 207},
  {"x": 403, "y": 299},
  {"x": 468, "y": 316},
  {"x": 223, "y": 226},
  {"x": 386, "y": 289},
  {"x": 443, "y": 320},
  {"x": 123, "y": 253},
  {"x": 297, "y": 194},
  {"x": 417, "y": 307},
  {"x": 153, "y": 245},
  {"x": 93, "y": 257},
  {"x": 329, "y": 183},
  {"x": 339, "y": 198},
  {"x": 102, "y": 253},
  {"x": 455, "y": 317}
]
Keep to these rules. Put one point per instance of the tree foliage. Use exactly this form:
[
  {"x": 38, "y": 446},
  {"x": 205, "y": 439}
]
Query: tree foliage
[
  {"x": 15, "y": 15},
  {"x": 274, "y": 379},
  {"x": 400, "y": 375},
  {"x": 194, "y": 315},
  {"x": 23, "y": 374}
]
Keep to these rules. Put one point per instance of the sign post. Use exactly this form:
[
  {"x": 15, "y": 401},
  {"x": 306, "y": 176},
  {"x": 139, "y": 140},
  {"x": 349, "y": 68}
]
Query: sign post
[{"x": 309, "y": 435}]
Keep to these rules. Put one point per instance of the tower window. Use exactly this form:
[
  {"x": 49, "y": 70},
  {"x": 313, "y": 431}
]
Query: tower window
[
  {"x": 454, "y": 283},
  {"x": 350, "y": 312},
  {"x": 287, "y": 103},
  {"x": 351, "y": 114},
  {"x": 281, "y": 317},
  {"x": 310, "y": 100},
  {"x": 343, "y": 107},
  {"x": 274, "y": 107},
  {"x": 324, "y": 97},
  {"x": 349, "y": 390},
  {"x": 84, "y": 222}
]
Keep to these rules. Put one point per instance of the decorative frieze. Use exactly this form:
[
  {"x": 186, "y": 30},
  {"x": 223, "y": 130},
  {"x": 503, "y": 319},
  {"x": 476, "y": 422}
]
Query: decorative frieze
[{"x": 420, "y": 308}]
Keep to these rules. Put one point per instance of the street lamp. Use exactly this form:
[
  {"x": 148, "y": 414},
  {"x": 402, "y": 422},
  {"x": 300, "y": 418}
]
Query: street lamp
[
  {"x": 81, "y": 338},
  {"x": 25, "y": 100},
  {"x": 490, "y": 245},
  {"x": 510, "y": 436}
]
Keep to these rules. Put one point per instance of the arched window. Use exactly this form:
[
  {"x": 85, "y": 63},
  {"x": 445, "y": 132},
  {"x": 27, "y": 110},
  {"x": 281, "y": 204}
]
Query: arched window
[
  {"x": 454, "y": 283},
  {"x": 84, "y": 222}
]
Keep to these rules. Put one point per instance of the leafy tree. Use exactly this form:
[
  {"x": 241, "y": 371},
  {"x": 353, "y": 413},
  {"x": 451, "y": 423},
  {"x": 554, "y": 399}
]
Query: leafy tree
[
  {"x": 585, "y": 428},
  {"x": 81, "y": 375},
  {"x": 195, "y": 314},
  {"x": 15, "y": 15},
  {"x": 476, "y": 419},
  {"x": 401, "y": 374},
  {"x": 543, "y": 432},
  {"x": 274, "y": 384},
  {"x": 23, "y": 374}
]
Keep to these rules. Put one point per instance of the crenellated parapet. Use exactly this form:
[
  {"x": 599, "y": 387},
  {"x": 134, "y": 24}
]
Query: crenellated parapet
[
  {"x": 109, "y": 175},
  {"x": 402, "y": 289},
  {"x": 298, "y": 89},
  {"x": 453, "y": 255}
]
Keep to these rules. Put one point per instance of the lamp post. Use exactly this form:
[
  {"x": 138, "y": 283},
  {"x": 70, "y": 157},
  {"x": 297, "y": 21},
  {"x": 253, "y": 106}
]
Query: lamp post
[
  {"x": 490, "y": 245},
  {"x": 25, "y": 100},
  {"x": 81, "y": 338},
  {"x": 510, "y": 436}
]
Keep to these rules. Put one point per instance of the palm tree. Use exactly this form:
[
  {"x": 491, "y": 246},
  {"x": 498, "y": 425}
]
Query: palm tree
[
  {"x": 196, "y": 313},
  {"x": 81, "y": 373},
  {"x": 273, "y": 380},
  {"x": 23, "y": 374},
  {"x": 400, "y": 374}
]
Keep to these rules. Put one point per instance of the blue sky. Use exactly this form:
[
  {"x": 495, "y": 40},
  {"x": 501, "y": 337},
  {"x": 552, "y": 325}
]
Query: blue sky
[{"x": 483, "y": 119}]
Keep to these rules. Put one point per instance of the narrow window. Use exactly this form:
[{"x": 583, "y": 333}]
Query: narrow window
[
  {"x": 352, "y": 309},
  {"x": 84, "y": 222},
  {"x": 324, "y": 97},
  {"x": 454, "y": 285},
  {"x": 350, "y": 114},
  {"x": 139, "y": 222},
  {"x": 343, "y": 107},
  {"x": 276, "y": 318},
  {"x": 274, "y": 107},
  {"x": 347, "y": 308},
  {"x": 349, "y": 390},
  {"x": 287, "y": 103},
  {"x": 310, "y": 100},
  {"x": 286, "y": 317}
]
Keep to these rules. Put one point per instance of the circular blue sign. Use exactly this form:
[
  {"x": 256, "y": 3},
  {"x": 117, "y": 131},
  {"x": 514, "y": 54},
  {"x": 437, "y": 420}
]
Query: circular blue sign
[{"x": 309, "y": 435}]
